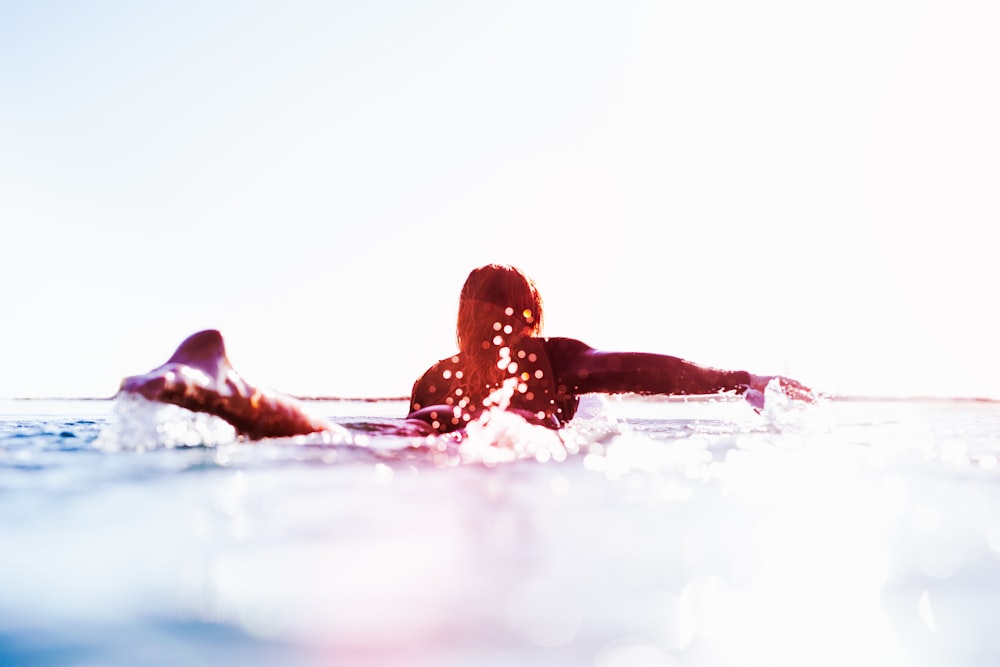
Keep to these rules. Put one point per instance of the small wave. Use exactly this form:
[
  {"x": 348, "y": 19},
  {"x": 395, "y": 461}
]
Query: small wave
[{"x": 139, "y": 425}]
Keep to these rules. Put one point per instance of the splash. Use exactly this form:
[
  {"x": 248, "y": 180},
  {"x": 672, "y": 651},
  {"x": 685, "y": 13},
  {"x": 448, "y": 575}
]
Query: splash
[
  {"x": 778, "y": 411},
  {"x": 500, "y": 436},
  {"x": 139, "y": 424}
]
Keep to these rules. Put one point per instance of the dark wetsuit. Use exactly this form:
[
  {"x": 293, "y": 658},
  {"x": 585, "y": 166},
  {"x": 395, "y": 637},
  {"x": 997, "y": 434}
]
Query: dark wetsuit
[{"x": 548, "y": 375}]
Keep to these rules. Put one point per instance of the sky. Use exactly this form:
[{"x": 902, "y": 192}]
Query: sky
[{"x": 807, "y": 189}]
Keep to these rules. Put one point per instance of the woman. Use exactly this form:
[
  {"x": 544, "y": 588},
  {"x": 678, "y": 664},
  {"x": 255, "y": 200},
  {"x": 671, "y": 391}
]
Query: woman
[
  {"x": 503, "y": 359},
  {"x": 502, "y": 362}
]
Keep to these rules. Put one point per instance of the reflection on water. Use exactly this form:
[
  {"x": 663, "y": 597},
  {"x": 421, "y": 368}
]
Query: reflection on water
[{"x": 651, "y": 533}]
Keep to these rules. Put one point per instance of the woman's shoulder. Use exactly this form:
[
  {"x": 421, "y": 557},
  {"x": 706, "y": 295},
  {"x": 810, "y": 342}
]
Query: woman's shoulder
[
  {"x": 563, "y": 353},
  {"x": 436, "y": 382},
  {"x": 560, "y": 345}
]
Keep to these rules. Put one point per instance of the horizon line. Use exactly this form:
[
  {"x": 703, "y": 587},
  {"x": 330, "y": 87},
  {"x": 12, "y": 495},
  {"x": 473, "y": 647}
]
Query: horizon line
[{"x": 652, "y": 397}]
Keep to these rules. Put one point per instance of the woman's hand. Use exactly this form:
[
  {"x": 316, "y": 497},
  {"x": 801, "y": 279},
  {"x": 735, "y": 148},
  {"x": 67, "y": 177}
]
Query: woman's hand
[{"x": 789, "y": 387}]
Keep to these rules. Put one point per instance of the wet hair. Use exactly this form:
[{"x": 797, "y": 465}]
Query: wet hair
[{"x": 498, "y": 302}]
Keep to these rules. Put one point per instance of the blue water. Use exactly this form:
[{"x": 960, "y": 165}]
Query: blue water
[{"x": 653, "y": 532}]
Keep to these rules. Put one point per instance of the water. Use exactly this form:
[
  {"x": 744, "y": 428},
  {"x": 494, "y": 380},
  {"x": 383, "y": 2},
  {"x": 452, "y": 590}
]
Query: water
[{"x": 655, "y": 532}]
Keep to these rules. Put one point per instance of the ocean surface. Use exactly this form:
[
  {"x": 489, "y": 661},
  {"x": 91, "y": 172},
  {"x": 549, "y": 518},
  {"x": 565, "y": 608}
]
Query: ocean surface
[{"x": 652, "y": 532}]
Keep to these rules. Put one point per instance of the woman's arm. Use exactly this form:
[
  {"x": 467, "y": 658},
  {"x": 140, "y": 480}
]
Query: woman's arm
[
  {"x": 595, "y": 371},
  {"x": 586, "y": 370}
]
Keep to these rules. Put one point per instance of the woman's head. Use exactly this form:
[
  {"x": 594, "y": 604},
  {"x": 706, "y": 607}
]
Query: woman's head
[{"x": 497, "y": 300}]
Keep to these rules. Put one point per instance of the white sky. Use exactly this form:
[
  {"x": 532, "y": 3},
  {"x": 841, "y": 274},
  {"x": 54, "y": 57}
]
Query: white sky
[{"x": 778, "y": 186}]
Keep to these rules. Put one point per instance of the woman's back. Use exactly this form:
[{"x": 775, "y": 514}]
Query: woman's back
[{"x": 517, "y": 375}]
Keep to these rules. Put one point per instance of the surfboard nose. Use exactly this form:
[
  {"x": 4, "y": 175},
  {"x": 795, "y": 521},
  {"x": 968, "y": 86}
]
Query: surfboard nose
[{"x": 198, "y": 348}]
